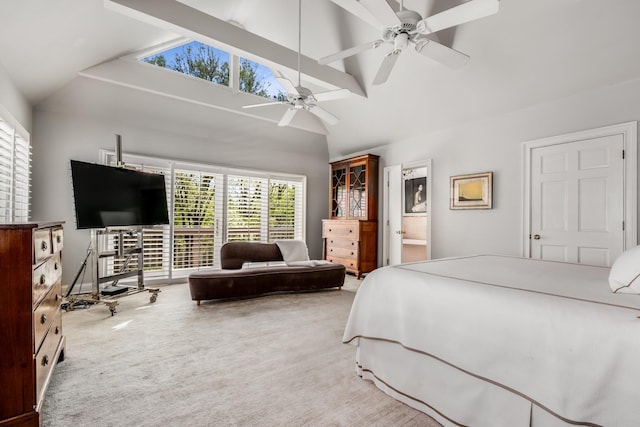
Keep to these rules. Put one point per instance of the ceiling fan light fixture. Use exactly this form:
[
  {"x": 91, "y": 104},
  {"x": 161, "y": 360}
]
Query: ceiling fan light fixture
[
  {"x": 406, "y": 27},
  {"x": 302, "y": 98}
]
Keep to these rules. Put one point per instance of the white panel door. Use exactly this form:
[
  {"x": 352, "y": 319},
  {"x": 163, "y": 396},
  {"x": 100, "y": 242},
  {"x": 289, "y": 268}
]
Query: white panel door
[
  {"x": 577, "y": 201},
  {"x": 393, "y": 214}
]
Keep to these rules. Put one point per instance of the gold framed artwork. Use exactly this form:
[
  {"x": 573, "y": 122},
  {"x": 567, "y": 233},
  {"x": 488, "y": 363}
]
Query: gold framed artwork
[{"x": 473, "y": 191}]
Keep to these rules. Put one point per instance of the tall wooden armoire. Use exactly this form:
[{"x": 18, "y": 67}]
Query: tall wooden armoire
[{"x": 350, "y": 235}]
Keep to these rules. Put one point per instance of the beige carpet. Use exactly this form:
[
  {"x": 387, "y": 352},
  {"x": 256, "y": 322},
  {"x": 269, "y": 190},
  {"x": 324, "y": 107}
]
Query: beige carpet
[{"x": 271, "y": 361}]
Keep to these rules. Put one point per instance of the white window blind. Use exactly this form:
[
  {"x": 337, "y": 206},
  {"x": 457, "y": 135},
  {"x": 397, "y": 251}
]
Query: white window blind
[
  {"x": 209, "y": 205},
  {"x": 247, "y": 208},
  {"x": 15, "y": 173},
  {"x": 286, "y": 203},
  {"x": 197, "y": 216}
]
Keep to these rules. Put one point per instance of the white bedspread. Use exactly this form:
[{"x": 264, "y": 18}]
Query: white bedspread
[{"x": 553, "y": 333}]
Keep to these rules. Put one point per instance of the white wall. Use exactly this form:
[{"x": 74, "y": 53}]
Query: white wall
[
  {"x": 63, "y": 135},
  {"x": 495, "y": 145}
]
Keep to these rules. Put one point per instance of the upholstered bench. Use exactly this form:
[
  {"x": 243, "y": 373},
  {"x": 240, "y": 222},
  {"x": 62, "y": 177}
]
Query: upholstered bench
[{"x": 272, "y": 274}]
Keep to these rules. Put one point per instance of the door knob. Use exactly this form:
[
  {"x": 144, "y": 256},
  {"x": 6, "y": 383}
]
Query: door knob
[{"x": 536, "y": 237}]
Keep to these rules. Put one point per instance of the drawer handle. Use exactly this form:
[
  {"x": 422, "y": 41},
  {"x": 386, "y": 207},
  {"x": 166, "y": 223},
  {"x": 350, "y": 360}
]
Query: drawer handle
[
  {"x": 351, "y": 253},
  {"x": 57, "y": 331},
  {"x": 44, "y": 246},
  {"x": 330, "y": 230},
  {"x": 350, "y": 231},
  {"x": 55, "y": 266},
  {"x": 45, "y": 360},
  {"x": 43, "y": 279},
  {"x": 57, "y": 297},
  {"x": 58, "y": 239},
  {"x": 43, "y": 319}
]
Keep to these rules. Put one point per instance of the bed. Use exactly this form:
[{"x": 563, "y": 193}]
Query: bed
[{"x": 500, "y": 341}]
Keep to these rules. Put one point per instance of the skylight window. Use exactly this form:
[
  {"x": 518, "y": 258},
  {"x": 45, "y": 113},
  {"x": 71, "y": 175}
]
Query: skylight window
[
  {"x": 257, "y": 79},
  {"x": 195, "y": 59},
  {"x": 209, "y": 63}
]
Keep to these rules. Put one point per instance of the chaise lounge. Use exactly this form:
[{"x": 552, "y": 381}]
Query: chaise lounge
[{"x": 274, "y": 273}]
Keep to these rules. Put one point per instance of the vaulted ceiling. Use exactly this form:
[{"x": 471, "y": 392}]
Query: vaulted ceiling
[{"x": 530, "y": 52}]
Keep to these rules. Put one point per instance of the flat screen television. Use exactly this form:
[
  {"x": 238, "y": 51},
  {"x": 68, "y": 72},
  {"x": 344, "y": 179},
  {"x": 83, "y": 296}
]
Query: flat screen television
[{"x": 107, "y": 196}]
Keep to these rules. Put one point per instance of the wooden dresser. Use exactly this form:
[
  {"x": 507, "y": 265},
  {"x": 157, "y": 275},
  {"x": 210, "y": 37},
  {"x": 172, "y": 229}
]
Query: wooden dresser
[
  {"x": 350, "y": 235},
  {"x": 30, "y": 320}
]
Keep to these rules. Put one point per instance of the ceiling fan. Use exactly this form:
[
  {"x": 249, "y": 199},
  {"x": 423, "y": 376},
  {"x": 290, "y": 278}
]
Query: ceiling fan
[
  {"x": 407, "y": 27},
  {"x": 300, "y": 97}
]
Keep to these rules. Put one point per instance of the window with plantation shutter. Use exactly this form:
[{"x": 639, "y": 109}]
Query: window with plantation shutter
[
  {"x": 285, "y": 207},
  {"x": 210, "y": 205},
  {"x": 197, "y": 218},
  {"x": 247, "y": 209},
  {"x": 15, "y": 172}
]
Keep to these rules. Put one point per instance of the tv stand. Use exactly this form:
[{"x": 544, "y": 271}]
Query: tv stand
[{"x": 99, "y": 257}]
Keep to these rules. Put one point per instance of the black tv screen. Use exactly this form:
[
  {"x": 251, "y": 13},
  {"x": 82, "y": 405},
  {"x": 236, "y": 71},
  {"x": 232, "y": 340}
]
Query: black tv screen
[{"x": 107, "y": 196}]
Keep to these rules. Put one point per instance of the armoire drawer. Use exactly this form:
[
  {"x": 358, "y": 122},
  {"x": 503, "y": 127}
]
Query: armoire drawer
[
  {"x": 337, "y": 229},
  {"x": 338, "y": 242},
  {"x": 341, "y": 252},
  {"x": 350, "y": 264}
]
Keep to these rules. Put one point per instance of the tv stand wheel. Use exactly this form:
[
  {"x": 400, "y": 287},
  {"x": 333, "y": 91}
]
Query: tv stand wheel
[
  {"x": 154, "y": 295},
  {"x": 112, "y": 306}
]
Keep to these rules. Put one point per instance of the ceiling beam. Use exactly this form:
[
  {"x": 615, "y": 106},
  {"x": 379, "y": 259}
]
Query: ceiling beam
[
  {"x": 160, "y": 81},
  {"x": 195, "y": 24}
]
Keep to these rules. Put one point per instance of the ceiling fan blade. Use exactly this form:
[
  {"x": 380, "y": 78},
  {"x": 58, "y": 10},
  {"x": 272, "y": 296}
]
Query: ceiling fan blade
[
  {"x": 356, "y": 8},
  {"x": 386, "y": 67},
  {"x": 381, "y": 10},
  {"x": 469, "y": 11},
  {"x": 288, "y": 86},
  {"x": 349, "y": 52},
  {"x": 332, "y": 94},
  {"x": 288, "y": 116},
  {"x": 440, "y": 53},
  {"x": 264, "y": 104},
  {"x": 324, "y": 115}
]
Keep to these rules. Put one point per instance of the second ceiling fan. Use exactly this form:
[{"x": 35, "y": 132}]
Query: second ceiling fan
[
  {"x": 300, "y": 97},
  {"x": 407, "y": 27}
]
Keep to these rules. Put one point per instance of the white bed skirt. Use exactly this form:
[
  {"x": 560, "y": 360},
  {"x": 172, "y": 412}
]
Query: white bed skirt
[{"x": 448, "y": 395}]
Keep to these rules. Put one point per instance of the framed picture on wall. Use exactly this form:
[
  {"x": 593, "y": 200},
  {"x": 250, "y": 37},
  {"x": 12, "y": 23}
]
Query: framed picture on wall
[
  {"x": 415, "y": 191},
  {"x": 473, "y": 191}
]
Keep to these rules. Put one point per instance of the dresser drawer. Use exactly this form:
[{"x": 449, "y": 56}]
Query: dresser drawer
[
  {"x": 341, "y": 252},
  {"x": 45, "y": 276},
  {"x": 349, "y": 264},
  {"x": 347, "y": 230},
  {"x": 41, "y": 244},
  {"x": 46, "y": 355},
  {"x": 340, "y": 242},
  {"x": 45, "y": 313},
  {"x": 57, "y": 239}
]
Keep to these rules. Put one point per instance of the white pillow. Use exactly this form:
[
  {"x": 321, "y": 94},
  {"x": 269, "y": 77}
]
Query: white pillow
[
  {"x": 624, "y": 276},
  {"x": 293, "y": 250}
]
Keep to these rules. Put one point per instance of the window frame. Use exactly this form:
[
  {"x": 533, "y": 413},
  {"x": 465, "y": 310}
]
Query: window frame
[
  {"x": 220, "y": 233},
  {"x": 15, "y": 176}
]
